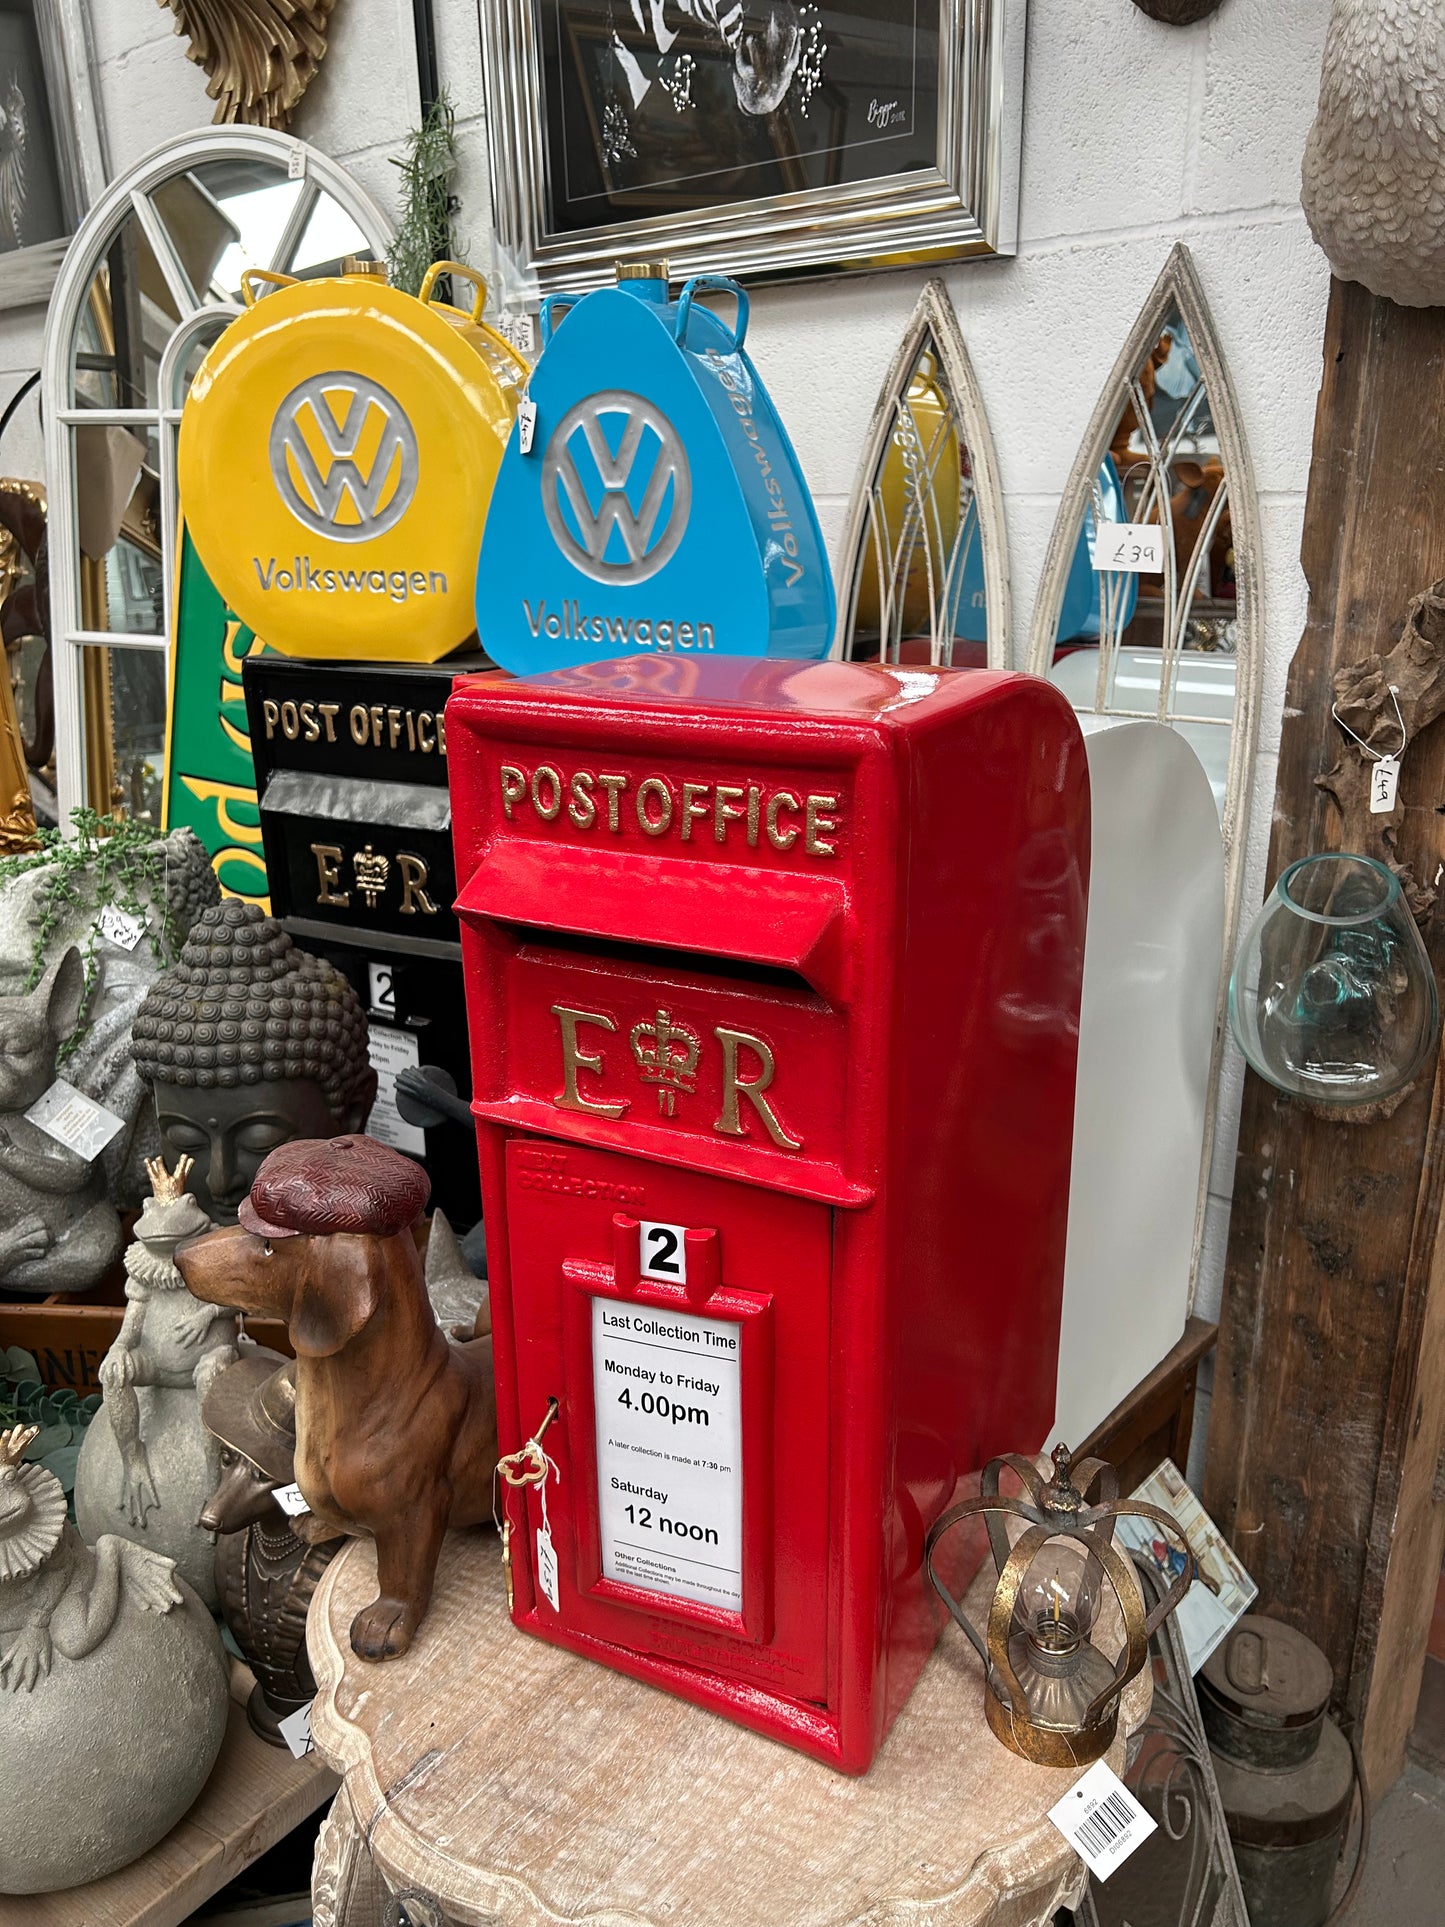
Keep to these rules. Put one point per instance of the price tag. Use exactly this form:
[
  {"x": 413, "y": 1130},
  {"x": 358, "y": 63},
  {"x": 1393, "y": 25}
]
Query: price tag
[
  {"x": 663, "y": 1252},
  {"x": 120, "y": 927},
  {"x": 289, "y": 1498},
  {"x": 666, "y": 1387},
  {"x": 526, "y": 423},
  {"x": 547, "y": 1569},
  {"x": 1129, "y": 548},
  {"x": 1101, "y": 1820},
  {"x": 296, "y": 1732},
  {"x": 296, "y": 163},
  {"x": 1384, "y": 781},
  {"x": 72, "y": 1119}
]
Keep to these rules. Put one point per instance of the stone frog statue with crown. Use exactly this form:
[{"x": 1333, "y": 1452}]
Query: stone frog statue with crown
[
  {"x": 148, "y": 1464},
  {"x": 113, "y": 1690}
]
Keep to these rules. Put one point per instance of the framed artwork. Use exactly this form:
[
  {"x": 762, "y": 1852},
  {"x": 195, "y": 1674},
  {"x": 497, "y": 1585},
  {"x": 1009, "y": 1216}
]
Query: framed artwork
[
  {"x": 768, "y": 139},
  {"x": 51, "y": 163}
]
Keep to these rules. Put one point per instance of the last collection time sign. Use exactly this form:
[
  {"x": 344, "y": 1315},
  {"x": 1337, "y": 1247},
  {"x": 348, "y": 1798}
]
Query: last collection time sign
[{"x": 667, "y": 1392}]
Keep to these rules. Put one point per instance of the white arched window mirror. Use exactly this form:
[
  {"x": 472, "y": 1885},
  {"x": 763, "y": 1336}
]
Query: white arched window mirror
[
  {"x": 1178, "y": 649},
  {"x": 151, "y": 279}
]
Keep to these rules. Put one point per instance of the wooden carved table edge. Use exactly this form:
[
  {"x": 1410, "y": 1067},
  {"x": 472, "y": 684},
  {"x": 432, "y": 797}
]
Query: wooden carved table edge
[{"x": 1021, "y": 1882}]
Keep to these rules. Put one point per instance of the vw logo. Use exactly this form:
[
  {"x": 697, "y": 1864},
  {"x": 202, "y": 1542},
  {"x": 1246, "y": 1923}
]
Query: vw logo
[
  {"x": 616, "y": 487},
  {"x": 343, "y": 455}
]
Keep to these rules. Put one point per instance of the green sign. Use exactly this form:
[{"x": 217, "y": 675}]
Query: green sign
[{"x": 210, "y": 785}]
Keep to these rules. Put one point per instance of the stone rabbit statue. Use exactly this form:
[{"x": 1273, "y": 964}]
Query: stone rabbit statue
[
  {"x": 58, "y": 1230},
  {"x": 147, "y": 1464},
  {"x": 113, "y": 1690}
]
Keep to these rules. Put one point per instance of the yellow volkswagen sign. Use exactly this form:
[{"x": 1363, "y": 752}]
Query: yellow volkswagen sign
[{"x": 337, "y": 454}]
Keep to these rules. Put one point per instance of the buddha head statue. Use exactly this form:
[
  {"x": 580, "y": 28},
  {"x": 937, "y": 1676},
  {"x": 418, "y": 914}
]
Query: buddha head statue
[{"x": 247, "y": 1042}]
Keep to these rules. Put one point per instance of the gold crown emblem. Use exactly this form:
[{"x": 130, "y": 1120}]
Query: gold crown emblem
[
  {"x": 667, "y": 1056},
  {"x": 14, "y": 1442},
  {"x": 168, "y": 1186}
]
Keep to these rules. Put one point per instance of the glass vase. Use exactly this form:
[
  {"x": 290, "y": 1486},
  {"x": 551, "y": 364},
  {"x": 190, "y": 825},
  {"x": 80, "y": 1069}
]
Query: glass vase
[{"x": 1333, "y": 998}]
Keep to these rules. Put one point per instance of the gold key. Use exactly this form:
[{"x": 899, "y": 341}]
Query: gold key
[{"x": 524, "y": 1468}]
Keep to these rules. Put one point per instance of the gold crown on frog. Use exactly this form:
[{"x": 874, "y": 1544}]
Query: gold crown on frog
[
  {"x": 14, "y": 1442},
  {"x": 168, "y": 1186}
]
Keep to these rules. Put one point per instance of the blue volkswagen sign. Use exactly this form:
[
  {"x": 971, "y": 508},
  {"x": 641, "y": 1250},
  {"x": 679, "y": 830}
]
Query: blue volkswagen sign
[{"x": 659, "y": 507}]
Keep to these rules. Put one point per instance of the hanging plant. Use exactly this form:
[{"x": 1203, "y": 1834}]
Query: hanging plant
[
  {"x": 103, "y": 862},
  {"x": 424, "y": 232}
]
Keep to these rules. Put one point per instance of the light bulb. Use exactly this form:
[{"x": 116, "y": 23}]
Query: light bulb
[{"x": 1059, "y": 1597}]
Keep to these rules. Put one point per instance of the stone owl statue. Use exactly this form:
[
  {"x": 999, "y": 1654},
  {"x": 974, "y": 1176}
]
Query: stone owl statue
[{"x": 1374, "y": 165}]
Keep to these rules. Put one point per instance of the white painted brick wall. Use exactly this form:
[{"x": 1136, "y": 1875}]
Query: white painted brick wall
[{"x": 1135, "y": 135}]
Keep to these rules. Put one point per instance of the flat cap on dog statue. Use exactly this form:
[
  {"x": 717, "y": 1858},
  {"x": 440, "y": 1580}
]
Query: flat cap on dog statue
[{"x": 396, "y": 1425}]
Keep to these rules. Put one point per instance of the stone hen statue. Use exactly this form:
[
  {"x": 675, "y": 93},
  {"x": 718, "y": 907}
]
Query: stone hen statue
[{"x": 1374, "y": 165}]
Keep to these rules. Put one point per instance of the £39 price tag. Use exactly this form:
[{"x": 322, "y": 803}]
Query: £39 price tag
[
  {"x": 289, "y": 1498},
  {"x": 1129, "y": 548},
  {"x": 1101, "y": 1820},
  {"x": 120, "y": 927}
]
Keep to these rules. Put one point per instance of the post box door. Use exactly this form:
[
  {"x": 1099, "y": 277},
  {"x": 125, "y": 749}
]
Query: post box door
[{"x": 682, "y": 1321}]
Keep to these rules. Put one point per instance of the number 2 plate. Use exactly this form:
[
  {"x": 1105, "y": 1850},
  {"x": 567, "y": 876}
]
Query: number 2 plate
[{"x": 663, "y": 1252}]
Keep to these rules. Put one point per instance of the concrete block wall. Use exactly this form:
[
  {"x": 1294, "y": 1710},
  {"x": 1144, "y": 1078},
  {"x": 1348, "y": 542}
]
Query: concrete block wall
[{"x": 1136, "y": 135}]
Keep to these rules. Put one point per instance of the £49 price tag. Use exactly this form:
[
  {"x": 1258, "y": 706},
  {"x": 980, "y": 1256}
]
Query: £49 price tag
[
  {"x": 1101, "y": 1820},
  {"x": 1129, "y": 548},
  {"x": 1384, "y": 782}
]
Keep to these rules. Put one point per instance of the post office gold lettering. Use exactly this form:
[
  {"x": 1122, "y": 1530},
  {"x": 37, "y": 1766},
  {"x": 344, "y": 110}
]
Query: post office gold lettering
[{"x": 591, "y": 801}]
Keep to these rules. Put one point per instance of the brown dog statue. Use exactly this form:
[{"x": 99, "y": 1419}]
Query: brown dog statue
[{"x": 396, "y": 1426}]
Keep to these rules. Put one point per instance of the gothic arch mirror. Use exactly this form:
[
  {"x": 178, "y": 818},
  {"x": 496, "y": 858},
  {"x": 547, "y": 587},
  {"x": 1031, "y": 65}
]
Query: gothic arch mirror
[
  {"x": 923, "y": 571},
  {"x": 1162, "y": 478},
  {"x": 152, "y": 276}
]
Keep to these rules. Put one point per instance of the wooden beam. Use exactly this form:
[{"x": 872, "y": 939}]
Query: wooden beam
[{"x": 1328, "y": 1400}]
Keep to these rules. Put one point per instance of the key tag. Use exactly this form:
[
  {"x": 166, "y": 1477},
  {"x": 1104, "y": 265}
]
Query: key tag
[
  {"x": 526, "y": 423},
  {"x": 546, "y": 1556},
  {"x": 1384, "y": 770}
]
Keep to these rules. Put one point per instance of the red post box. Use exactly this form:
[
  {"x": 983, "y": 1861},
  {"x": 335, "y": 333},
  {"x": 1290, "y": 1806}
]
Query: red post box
[{"x": 773, "y": 983}]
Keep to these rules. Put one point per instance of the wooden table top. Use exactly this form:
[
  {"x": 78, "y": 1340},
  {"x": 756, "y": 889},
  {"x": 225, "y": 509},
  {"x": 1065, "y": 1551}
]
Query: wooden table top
[{"x": 518, "y": 1783}]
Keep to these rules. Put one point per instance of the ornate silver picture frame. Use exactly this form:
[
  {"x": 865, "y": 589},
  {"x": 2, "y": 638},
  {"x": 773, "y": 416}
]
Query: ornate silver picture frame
[
  {"x": 51, "y": 159},
  {"x": 767, "y": 139}
]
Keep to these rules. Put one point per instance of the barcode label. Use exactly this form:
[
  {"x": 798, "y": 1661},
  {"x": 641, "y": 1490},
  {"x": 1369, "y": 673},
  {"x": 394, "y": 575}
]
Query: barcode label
[{"x": 1101, "y": 1820}]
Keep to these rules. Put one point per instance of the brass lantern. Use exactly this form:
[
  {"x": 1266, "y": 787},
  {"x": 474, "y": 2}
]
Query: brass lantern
[{"x": 1051, "y": 1691}]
